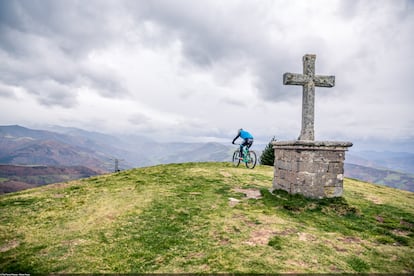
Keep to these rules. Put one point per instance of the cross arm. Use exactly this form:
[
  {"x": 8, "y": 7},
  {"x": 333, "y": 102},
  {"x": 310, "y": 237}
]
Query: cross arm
[
  {"x": 324, "y": 81},
  {"x": 295, "y": 79}
]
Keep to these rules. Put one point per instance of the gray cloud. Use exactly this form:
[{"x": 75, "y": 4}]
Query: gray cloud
[
  {"x": 51, "y": 93},
  {"x": 49, "y": 42},
  {"x": 213, "y": 36},
  {"x": 74, "y": 27},
  {"x": 139, "y": 119},
  {"x": 235, "y": 102},
  {"x": 7, "y": 92}
]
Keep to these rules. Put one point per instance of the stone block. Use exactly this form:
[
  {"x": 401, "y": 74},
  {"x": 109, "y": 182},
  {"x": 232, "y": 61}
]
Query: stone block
[
  {"x": 285, "y": 165},
  {"x": 281, "y": 184},
  {"x": 276, "y": 173},
  {"x": 333, "y": 191},
  {"x": 305, "y": 166},
  {"x": 313, "y": 169},
  {"x": 336, "y": 167},
  {"x": 282, "y": 174},
  {"x": 292, "y": 178}
]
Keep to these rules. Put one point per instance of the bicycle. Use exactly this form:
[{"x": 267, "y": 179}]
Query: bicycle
[{"x": 249, "y": 157}]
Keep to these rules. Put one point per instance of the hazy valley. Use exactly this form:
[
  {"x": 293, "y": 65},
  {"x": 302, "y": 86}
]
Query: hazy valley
[{"x": 68, "y": 148}]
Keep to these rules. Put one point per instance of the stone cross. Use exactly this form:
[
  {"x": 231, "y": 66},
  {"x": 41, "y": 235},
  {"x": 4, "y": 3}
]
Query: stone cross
[{"x": 308, "y": 80}]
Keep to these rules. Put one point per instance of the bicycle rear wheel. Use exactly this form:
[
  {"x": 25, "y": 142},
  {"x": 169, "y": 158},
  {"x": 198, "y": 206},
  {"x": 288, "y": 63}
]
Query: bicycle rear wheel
[
  {"x": 252, "y": 160},
  {"x": 236, "y": 158}
]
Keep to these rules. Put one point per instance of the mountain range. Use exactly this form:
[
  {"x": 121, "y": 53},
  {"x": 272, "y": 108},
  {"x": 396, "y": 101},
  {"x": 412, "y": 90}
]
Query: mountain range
[
  {"x": 59, "y": 147},
  {"x": 75, "y": 150},
  {"x": 14, "y": 178},
  {"x": 71, "y": 146},
  {"x": 397, "y": 161}
]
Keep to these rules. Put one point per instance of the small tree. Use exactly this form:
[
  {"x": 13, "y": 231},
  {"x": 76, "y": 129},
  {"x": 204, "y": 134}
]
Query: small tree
[{"x": 268, "y": 155}]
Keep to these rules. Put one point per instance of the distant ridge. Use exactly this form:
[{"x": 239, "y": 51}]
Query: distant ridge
[
  {"x": 71, "y": 146},
  {"x": 15, "y": 178},
  {"x": 63, "y": 146},
  {"x": 386, "y": 177},
  {"x": 395, "y": 161},
  {"x": 23, "y": 146}
]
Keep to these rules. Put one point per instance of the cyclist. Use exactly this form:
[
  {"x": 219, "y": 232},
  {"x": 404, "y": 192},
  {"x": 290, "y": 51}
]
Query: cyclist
[{"x": 247, "y": 140}]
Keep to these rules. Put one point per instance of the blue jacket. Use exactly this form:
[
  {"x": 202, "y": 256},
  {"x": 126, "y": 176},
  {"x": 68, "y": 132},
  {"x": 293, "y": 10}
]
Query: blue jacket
[{"x": 243, "y": 134}]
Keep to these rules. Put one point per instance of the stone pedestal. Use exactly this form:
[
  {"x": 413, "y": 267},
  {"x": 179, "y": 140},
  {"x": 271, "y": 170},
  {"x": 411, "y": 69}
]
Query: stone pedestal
[{"x": 314, "y": 169}]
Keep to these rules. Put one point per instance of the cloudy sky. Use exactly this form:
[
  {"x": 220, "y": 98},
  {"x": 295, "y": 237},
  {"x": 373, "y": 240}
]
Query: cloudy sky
[{"x": 199, "y": 70}]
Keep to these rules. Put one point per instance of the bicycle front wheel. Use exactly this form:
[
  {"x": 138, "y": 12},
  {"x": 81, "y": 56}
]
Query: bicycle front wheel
[
  {"x": 252, "y": 160},
  {"x": 236, "y": 158}
]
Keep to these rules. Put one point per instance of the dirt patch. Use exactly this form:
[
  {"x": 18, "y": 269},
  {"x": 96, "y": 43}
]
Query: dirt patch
[
  {"x": 111, "y": 217},
  {"x": 199, "y": 170},
  {"x": 224, "y": 241},
  {"x": 306, "y": 237},
  {"x": 287, "y": 232},
  {"x": 379, "y": 219},
  {"x": 374, "y": 199},
  {"x": 10, "y": 245},
  {"x": 74, "y": 242},
  {"x": 296, "y": 264},
  {"x": 260, "y": 237},
  {"x": 349, "y": 240},
  {"x": 405, "y": 223},
  {"x": 233, "y": 201},
  {"x": 196, "y": 255},
  {"x": 399, "y": 232},
  {"x": 337, "y": 247},
  {"x": 249, "y": 193},
  {"x": 226, "y": 174}
]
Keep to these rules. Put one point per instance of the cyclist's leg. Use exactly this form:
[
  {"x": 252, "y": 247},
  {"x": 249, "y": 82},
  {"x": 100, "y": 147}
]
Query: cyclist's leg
[
  {"x": 241, "y": 147},
  {"x": 249, "y": 143}
]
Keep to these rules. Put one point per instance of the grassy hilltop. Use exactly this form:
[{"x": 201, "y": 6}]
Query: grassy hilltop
[{"x": 203, "y": 217}]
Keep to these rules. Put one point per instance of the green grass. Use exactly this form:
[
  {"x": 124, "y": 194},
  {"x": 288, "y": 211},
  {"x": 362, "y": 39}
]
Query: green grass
[{"x": 178, "y": 218}]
